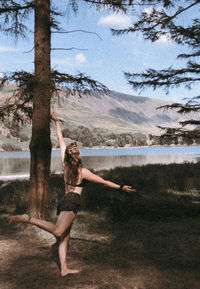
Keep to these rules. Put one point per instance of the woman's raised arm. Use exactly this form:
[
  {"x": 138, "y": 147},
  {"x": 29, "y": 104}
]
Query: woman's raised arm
[
  {"x": 59, "y": 135},
  {"x": 88, "y": 175}
]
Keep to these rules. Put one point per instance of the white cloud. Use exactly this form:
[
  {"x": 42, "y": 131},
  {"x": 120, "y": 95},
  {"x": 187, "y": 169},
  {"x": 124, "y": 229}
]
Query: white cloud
[
  {"x": 148, "y": 10},
  {"x": 164, "y": 39},
  {"x": 1, "y": 74},
  {"x": 115, "y": 20},
  {"x": 69, "y": 63},
  {"x": 80, "y": 58},
  {"x": 7, "y": 49}
]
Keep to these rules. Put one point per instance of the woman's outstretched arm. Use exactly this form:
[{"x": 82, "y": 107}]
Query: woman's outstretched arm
[
  {"x": 59, "y": 135},
  {"x": 88, "y": 175}
]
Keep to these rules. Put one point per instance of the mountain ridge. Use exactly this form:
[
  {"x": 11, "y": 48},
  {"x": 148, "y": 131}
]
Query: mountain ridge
[{"x": 99, "y": 119}]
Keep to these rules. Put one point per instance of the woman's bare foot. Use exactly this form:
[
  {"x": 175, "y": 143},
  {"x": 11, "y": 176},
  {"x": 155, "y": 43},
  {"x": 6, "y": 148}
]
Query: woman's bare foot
[
  {"x": 20, "y": 219},
  {"x": 68, "y": 271}
]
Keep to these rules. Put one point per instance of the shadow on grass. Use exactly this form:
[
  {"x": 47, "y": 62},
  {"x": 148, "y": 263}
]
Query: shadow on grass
[
  {"x": 154, "y": 242},
  {"x": 156, "y": 253},
  {"x": 146, "y": 254}
]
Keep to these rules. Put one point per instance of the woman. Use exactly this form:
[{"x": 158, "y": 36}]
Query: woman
[{"x": 75, "y": 177}]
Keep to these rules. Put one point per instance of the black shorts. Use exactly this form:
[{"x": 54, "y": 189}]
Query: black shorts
[{"x": 71, "y": 201}]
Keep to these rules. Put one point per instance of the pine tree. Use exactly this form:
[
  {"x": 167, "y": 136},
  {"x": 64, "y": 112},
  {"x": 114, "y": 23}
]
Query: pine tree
[
  {"x": 163, "y": 19},
  {"x": 38, "y": 88}
]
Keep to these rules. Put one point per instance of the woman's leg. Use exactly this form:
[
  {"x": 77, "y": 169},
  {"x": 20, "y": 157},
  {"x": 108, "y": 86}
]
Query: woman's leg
[
  {"x": 62, "y": 250},
  {"x": 64, "y": 222}
]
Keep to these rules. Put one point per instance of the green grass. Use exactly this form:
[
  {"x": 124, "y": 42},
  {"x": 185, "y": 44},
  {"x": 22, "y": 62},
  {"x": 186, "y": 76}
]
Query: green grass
[
  {"x": 143, "y": 240},
  {"x": 160, "y": 189}
]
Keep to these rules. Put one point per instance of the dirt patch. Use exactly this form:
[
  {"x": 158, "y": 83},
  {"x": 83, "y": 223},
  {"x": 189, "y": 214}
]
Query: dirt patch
[{"x": 138, "y": 254}]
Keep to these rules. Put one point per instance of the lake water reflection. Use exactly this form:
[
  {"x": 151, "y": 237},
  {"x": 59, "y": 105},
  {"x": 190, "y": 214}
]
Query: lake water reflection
[{"x": 16, "y": 164}]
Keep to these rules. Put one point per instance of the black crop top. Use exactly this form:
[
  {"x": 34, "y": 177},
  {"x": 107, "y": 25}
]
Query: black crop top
[{"x": 81, "y": 185}]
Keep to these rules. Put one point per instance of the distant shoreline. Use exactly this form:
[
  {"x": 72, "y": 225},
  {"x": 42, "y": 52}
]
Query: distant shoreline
[
  {"x": 98, "y": 160},
  {"x": 112, "y": 147},
  {"x": 136, "y": 147}
]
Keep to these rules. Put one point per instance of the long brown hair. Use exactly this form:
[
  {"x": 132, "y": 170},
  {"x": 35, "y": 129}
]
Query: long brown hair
[{"x": 72, "y": 164}]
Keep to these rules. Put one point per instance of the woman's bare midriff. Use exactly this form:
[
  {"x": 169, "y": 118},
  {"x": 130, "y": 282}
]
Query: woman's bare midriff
[{"x": 77, "y": 191}]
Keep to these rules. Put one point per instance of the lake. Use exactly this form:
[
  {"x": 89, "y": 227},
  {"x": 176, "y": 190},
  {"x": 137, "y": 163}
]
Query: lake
[{"x": 16, "y": 164}]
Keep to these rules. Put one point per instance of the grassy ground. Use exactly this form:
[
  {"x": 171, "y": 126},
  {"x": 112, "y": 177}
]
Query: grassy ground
[
  {"x": 149, "y": 240},
  {"x": 145, "y": 254}
]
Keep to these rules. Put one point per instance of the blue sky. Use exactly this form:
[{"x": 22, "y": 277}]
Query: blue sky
[{"x": 104, "y": 57}]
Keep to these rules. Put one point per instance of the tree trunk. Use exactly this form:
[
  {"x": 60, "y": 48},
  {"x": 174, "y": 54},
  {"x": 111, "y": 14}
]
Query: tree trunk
[{"x": 40, "y": 146}]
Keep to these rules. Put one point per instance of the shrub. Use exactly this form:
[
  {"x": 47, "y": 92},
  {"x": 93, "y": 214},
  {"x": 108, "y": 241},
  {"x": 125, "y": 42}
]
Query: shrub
[
  {"x": 23, "y": 138},
  {"x": 10, "y": 147}
]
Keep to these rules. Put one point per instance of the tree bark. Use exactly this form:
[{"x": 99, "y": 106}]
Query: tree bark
[{"x": 40, "y": 145}]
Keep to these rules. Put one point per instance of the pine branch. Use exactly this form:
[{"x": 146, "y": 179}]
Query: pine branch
[
  {"x": 128, "y": 3},
  {"x": 114, "y": 3},
  {"x": 18, "y": 107},
  {"x": 186, "y": 35},
  {"x": 16, "y": 8},
  {"x": 195, "y": 100},
  {"x": 169, "y": 18},
  {"x": 195, "y": 54},
  {"x": 157, "y": 23},
  {"x": 190, "y": 122},
  {"x": 77, "y": 30},
  {"x": 12, "y": 17},
  {"x": 173, "y": 133},
  {"x": 79, "y": 83},
  {"x": 71, "y": 48},
  {"x": 165, "y": 77},
  {"x": 181, "y": 108}
]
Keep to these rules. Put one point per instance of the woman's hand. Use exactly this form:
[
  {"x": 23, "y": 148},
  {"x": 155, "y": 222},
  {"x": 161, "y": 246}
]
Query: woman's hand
[
  {"x": 128, "y": 189},
  {"x": 54, "y": 117}
]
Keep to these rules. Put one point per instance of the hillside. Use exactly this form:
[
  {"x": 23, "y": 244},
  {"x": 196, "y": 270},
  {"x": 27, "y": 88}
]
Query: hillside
[{"x": 112, "y": 119}]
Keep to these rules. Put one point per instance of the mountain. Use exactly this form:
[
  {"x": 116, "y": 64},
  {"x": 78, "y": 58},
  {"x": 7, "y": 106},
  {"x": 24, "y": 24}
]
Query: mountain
[
  {"x": 127, "y": 112},
  {"x": 99, "y": 119}
]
